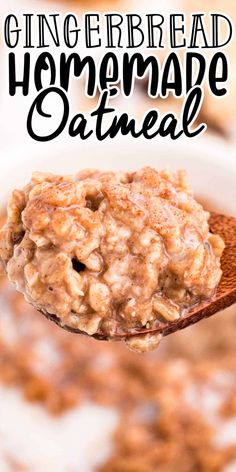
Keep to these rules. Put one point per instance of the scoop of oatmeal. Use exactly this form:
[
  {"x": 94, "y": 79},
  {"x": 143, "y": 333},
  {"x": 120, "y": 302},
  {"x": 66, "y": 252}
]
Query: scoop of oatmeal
[{"x": 111, "y": 253}]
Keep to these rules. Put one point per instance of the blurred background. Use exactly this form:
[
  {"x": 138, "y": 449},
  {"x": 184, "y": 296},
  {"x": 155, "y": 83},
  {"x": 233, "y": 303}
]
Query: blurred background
[{"x": 72, "y": 404}]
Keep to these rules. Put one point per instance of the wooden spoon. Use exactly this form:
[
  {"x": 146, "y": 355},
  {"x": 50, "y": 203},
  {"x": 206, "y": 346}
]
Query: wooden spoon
[{"x": 225, "y": 295}]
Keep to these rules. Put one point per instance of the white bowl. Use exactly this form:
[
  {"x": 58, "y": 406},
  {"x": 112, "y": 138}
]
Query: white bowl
[
  {"x": 212, "y": 171},
  {"x": 210, "y": 163}
]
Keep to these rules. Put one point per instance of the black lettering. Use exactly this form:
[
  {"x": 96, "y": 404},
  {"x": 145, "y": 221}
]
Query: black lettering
[
  {"x": 68, "y": 32},
  {"x": 215, "y": 30},
  {"x": 168, "y": 127},
  {"x": 201, "y": 68},
  {"x": 174, "y": 29},
  {"x": 134, "y": 27},
  {"x": 214, "y": 79},
  {"x": 43, "y": 22},
  {"x": 45, "y": 62},
  {"x": 78, "y": 126},
  {"x": 142, "y": 65},
  {"x": 79, "y": 66},
  {"x": 100, "y": 111},
  {"x": 109, "y": 74},
  {"x": 28, "y": 35},
  {"x": 37, "y": 107},
  {"x": 151, "y": 27},
  {"x": 110, "y": 27},
  {"x": 175, "y": 84},
  {"x": 197, "y": 28},
  {"x": 8, "y": 32},
  {"x": 190, "y": 112},
  {"x": 88, "y": 30},
  {"x": 13, "y": 83}
]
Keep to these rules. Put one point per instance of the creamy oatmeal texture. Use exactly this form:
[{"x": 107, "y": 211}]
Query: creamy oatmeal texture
[{"x": 111, "y": 253}]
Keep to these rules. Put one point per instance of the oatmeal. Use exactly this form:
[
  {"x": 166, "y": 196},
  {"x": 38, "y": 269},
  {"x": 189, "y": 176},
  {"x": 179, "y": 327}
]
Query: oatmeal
[
  {"x": 158, "y": 425},
  {"x": 110, "y": 254}
]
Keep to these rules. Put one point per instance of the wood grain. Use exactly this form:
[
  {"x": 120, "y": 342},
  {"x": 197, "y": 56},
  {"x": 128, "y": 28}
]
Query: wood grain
[{"x": 225, "y": 295}]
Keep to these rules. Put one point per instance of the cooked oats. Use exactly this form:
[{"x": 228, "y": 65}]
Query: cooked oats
[
  {"x": 110, "y": 253},
  {"x": 158, "y": 427}
]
